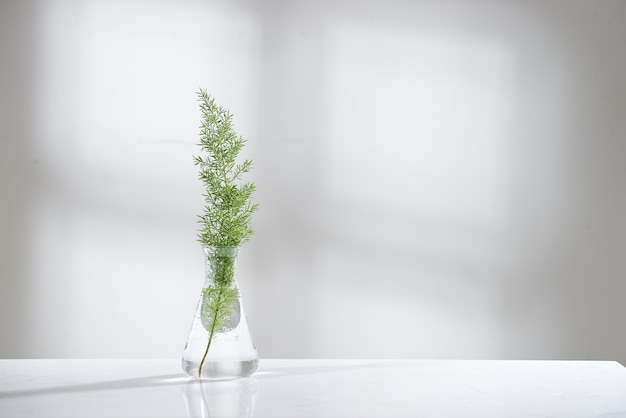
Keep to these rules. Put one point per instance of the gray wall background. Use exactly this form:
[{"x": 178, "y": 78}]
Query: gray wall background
[{"x": 437, "y": 179}]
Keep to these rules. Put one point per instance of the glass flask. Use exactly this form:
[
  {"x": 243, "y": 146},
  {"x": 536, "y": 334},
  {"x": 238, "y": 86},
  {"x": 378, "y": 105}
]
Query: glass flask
[{"x": 220, "y": 344}]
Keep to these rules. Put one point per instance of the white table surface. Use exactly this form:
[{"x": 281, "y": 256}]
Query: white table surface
[{"x": 315, "y": 388}]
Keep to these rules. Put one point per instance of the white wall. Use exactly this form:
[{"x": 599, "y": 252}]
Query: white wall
[{"x": 437, "y": 179}]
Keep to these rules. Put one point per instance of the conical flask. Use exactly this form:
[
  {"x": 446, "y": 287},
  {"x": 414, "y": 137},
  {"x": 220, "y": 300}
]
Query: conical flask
[{"x": 220, "y": 344}]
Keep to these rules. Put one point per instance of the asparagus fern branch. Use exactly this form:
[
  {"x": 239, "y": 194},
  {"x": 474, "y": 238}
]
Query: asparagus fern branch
[
  {"x": 227, "y": 212},
  {"x": 228, "y": 208}
]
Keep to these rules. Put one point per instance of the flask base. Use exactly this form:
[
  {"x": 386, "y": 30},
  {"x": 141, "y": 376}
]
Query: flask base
[{"x": 221, "y": 370}]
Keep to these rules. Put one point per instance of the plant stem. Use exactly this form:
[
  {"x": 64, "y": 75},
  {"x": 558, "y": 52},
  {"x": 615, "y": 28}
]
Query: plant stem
[{"x": 210, "y": 339}]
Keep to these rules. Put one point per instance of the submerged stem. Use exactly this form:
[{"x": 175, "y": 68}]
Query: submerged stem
[{"x": 208, "y": 345}]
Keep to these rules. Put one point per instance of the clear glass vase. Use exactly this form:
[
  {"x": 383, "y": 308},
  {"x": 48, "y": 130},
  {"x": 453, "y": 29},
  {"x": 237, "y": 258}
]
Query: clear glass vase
[{"x": 220, "y": 345}]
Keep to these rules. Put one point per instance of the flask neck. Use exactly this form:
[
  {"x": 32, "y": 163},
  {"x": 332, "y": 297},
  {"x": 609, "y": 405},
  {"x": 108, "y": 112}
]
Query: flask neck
[{"x": 220, "y": 265}]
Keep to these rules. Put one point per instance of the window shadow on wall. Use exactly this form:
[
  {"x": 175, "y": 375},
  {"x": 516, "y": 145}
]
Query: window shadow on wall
[
  {"x": 18, "y": 34},
  {"x": 466, "y": 251}
]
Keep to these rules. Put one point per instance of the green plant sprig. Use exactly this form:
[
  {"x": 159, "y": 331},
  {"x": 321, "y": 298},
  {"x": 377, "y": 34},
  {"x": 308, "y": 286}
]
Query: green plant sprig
[
  {"x": 228, "y": 208},
  {"x": 227, "y": 212}
]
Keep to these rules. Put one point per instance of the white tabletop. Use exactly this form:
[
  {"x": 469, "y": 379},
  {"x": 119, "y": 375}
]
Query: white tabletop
[{"x": 315, "y": 388}]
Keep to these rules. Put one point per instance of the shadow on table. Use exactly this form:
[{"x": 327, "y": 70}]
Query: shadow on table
[
  {"x": 216, "y": 387},
  {"x": 201, "y": 398},
  {"x": 134, "y": 383}
]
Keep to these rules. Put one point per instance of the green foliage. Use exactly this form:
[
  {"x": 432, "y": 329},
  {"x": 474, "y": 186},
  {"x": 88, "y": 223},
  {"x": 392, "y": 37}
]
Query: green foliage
[
  {"x": 219, "y": 298},
  {"x": 228, "y": 208},
  {"x": 225, "y": 222},
  {"x": 218, "y": 302}
]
